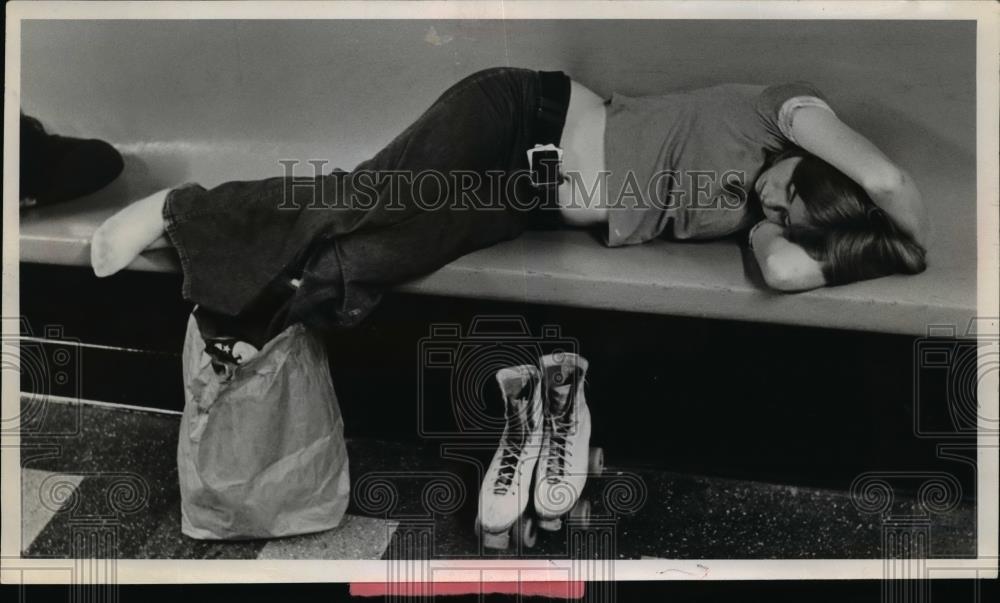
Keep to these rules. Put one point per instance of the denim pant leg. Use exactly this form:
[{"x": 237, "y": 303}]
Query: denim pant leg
[
  {"x": 482, "y": 127},
  {"x": 239, "y": 239}
]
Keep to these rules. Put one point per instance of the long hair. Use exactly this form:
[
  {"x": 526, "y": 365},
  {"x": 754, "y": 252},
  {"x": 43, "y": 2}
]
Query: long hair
[{"x": 851, "y": 237}]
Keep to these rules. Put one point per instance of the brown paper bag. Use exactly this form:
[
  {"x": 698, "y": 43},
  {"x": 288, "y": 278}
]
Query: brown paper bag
[{"x": 261, "y": 451}]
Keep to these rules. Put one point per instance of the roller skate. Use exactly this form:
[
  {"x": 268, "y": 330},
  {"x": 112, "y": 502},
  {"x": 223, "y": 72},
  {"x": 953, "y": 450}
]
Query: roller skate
[
  {"x": 506, "y": 489},
  {"x": 566, "y": 457}
]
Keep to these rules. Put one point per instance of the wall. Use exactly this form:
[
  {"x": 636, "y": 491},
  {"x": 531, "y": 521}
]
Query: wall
[
  {"x": 350, "y": 81},
  {"x": 211, "y": 101}
]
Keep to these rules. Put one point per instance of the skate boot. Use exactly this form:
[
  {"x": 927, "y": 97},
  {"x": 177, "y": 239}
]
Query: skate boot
[
  {"x": 506, "y": 489},
  {"x": 565, "y": 458}
]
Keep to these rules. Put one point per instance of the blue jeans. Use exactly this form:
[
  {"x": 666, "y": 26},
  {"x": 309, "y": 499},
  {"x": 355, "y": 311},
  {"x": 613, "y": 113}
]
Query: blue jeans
[{"x": 452, "y": 182}]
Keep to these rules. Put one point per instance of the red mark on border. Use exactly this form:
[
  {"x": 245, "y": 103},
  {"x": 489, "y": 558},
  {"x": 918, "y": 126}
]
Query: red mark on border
[{"x": 561, "y": 590}]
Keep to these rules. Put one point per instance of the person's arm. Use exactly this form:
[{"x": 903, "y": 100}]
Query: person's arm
[
  {"x": 820, "y": 132},
  {"x": 785, "y": 265}
]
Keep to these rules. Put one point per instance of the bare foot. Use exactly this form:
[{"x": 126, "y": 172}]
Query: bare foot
[{"x": 126, "y": 234}]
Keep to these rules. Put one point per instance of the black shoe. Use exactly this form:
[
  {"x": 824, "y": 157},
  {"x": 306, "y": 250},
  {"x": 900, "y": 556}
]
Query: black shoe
[{"x": 59, "y": 168}]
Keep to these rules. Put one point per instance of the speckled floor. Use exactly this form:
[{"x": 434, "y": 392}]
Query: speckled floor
[{"x": 76, "y": 458}]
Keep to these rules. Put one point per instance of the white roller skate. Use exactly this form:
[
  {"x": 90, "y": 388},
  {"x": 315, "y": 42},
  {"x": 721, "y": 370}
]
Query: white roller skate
[
  {"x": 566, "y": 458},
  {"x": 506, "y": 489}
]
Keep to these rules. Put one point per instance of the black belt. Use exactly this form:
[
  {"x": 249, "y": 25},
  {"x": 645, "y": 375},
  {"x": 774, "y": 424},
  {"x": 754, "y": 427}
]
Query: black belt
[
  {"x": 552, "y": 103},
  {"x": 550, "y": 118}
]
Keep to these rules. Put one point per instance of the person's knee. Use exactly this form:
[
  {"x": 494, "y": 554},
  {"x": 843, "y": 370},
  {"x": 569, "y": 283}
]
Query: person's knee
[
  {"x": 491, "y": 71},
  {"x": 498, "y": 73}
]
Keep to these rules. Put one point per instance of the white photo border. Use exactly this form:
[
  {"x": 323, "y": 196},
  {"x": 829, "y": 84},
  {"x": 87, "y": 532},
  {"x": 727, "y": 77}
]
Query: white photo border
[{"x": 17, "y": 570}]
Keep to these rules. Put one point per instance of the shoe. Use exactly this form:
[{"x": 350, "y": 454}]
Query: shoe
[
  {"x": 506, "y": 489},
  {"x": 60, "y": 168},
  {"x": 564, "y": 460}
]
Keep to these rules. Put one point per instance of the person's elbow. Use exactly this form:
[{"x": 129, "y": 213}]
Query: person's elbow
[
  {"x": 884, "y": 181},
  {"x": 777, "y": 276},
  {"x": 781, "y": 276},
  {"x": 894, "y": 189}
]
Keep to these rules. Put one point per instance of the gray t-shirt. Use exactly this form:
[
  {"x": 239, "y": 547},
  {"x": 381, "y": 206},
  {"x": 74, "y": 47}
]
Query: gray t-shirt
[{"x": 683, "y": 165}]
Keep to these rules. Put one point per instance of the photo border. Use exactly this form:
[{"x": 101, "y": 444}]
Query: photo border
[{"x": 14, "y": 569}]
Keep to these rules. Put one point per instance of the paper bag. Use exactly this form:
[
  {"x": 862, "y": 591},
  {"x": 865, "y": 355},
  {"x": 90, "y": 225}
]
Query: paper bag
[{"x": 261, "y": 451}]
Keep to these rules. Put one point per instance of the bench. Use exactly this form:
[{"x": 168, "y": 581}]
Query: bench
[{"x": 710, "y": 280}]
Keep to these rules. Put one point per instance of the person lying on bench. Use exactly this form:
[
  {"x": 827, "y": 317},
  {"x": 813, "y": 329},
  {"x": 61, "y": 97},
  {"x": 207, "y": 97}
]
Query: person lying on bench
[{"x": 820, "y": 203}]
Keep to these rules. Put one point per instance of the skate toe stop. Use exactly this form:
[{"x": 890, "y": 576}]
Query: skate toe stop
[
  {"x": 496, "y": 540},
  {"x": 550, "y": 525}
]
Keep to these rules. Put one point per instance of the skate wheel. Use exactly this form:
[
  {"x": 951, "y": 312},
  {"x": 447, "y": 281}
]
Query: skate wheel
[
  {"x": 523, "y": 532},
  {"x": 580, "y": 513},
  {"x": 550, "y": 525},
  {"x": 492, "y": 540},
  {"x": 496, "y": 540},
  {"x": 596, "y": 461}
]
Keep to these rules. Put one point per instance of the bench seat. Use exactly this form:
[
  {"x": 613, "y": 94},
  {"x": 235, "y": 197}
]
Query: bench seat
[
  {"x": 710, "y": 280},
  {"x": 215, "y": 100}
]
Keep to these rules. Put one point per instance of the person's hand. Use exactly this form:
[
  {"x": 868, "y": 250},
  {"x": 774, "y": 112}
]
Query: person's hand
[
  {"x": 764, "y": 231},
  {"x": 784, "y": 265}
]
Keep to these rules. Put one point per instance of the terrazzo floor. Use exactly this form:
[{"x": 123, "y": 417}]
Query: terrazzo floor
[{"x": 92, "y": 467}]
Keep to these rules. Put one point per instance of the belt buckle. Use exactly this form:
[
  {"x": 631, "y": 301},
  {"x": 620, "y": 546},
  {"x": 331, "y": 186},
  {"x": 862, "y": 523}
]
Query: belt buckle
[{"x": 549, "y": 161}]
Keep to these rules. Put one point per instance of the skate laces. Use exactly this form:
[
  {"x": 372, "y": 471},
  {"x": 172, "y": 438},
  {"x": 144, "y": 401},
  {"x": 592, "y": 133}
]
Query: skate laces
[
  {"x": 560, "y": 428},
  {"x": 510, "y": 454},
  {"x": 558, "y": 453}
]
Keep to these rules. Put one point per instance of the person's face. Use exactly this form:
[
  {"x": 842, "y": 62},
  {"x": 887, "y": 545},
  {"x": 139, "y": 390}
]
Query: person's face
[{"x": 778, "y": 197}]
